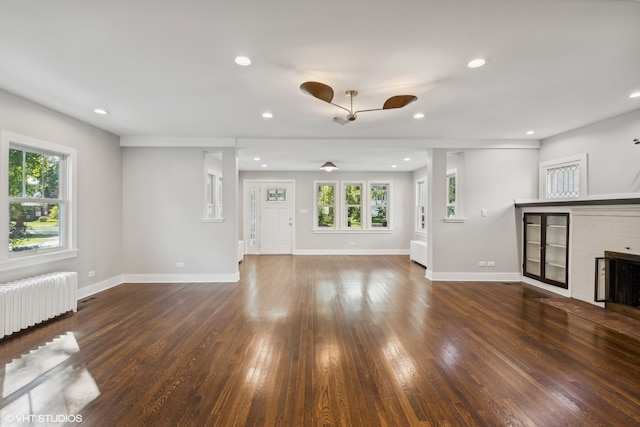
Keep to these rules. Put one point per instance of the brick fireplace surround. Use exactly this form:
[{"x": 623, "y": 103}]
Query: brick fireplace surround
[{"x": 594, "y": 230}]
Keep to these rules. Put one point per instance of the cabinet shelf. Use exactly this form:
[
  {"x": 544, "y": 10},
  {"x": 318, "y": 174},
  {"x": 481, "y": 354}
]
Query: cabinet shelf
[
  {"x": 556, "y": 245},
  {"x": 546, "y": 247},
  {"x": 555, "y": 264}
]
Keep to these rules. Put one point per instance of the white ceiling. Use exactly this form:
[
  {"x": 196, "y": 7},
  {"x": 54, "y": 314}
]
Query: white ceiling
[{"x": 165, "y": 68}]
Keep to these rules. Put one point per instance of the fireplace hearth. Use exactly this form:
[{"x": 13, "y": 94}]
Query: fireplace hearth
[{"x": 622, "y": 282}]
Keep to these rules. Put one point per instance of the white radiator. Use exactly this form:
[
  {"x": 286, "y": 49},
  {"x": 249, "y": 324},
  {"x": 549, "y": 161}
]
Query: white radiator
[
  {"x": 29, "y": 301},
  {"x": 418, "y": 252}
]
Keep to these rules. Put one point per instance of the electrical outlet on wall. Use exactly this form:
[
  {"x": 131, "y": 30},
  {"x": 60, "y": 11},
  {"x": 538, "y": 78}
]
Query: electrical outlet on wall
[{"x": 482, "y": 264}]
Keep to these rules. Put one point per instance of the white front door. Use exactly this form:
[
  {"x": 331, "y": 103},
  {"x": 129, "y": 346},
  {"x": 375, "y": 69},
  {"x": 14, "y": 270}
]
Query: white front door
[{"x": 268, "y": 217}]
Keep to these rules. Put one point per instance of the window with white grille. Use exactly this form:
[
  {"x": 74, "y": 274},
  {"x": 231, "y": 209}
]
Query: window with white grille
[
  {"x": 564, "y": 179},
  {"x": 37, "y": 201},
  {"x": 352, "y": 206},
  {"x": 421, "y": 206},
  {"x": 563, "y": 182}
]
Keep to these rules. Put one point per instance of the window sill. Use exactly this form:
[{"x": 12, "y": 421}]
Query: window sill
[
  {"x": 29, "y": 261},
  {"x": 454, "y": 220},
  {"x": 212, "y": 219},
  {"x": 338, "y": 231}
]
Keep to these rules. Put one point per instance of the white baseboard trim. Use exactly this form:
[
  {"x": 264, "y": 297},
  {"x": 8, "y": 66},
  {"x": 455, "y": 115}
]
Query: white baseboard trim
[
  {"x": 351, "y": 252},
  {"x": 86, "y": 291},
  {"x": 181, "y": 278},
  {"x": 473, "y": 277},
  {"x": 95, "y": 288}
]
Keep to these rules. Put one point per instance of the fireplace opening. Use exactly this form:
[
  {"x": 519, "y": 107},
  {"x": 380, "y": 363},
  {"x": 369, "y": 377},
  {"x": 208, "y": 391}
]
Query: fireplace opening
[{"x": 622, "y": 279}]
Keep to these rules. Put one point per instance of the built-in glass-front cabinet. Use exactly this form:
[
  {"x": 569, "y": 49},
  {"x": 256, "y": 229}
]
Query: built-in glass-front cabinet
[{"x": 546, "y": 247}]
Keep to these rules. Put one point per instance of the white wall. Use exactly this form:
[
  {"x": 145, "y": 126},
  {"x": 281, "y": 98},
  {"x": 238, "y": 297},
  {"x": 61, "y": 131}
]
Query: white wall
[
  {"x": 163, "y": 210},
  {"x": 613, "y": 159},
  {"x": 493, "y": 178},
  {"x": 306, "y": 241},
  {"x": 99, "y": 185}
]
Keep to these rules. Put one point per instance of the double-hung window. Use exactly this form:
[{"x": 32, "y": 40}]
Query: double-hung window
[
  {"x": 213, "y": 196},
  {"x": 211, "y": 199},
  {"x": 37, "y": 200},
  {"x": 421, "y": 206},
  {"x": 352, "y": 205},
  {"x": 452, "y": 193},
  {"x": 379, "y": 197},
  {"x": 326, "y": 205}
]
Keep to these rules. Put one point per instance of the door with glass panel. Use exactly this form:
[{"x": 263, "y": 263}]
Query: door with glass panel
[
  {"x": 268, "y": 217},
  {"x": 546, "y": 247}
]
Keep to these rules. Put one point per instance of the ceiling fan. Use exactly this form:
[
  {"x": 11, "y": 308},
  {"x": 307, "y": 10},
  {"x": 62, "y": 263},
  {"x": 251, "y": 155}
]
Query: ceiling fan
[{"x": 325, "y": 93}]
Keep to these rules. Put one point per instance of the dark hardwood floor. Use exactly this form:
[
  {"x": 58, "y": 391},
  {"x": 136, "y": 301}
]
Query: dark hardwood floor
[{"x": 331, "y": 340}]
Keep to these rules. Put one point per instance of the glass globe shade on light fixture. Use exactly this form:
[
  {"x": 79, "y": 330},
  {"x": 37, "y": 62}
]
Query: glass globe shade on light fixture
[{"x": 329, "y": 166}]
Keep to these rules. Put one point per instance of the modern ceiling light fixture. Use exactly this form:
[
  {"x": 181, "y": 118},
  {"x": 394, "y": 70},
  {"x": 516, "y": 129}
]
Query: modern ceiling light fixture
[
  {"x": 101, "y": 111},
  {"x": 325, "y": 93},
  {"x": 328, "y": 166}
]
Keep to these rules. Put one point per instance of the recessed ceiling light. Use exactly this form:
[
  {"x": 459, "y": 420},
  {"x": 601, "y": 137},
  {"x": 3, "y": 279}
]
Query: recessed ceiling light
[
  {"x": 243, "y": 61},
  {"x": 418, "y": 115},
  {"x": 530, "y": 132},
  {"x": 267, "y": 115},
  {"x": 394, "y": 166},
  {"x": 264, "y": 166},
  {"x": 257, "y": 159},
  {"x": 100, "y": 111},
  {"x": 406, "y": 159},
  {"x": 476, "y": 63},
  {"x": 635, "y": 95}
]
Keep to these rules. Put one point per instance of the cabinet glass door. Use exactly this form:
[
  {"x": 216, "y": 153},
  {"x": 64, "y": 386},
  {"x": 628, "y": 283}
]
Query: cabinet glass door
[
  {"x": 546, "y": 241},
  {"x": 555, "y": 266},
  {"x": 533, "y": 244}
]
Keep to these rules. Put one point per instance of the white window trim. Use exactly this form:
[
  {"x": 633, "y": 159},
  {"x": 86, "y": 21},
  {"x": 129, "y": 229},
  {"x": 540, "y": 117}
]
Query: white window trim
[
  {"x": 452, "y": 173},
  {"x": 344, "y": 207},
  {"x": 337, "y": 194},
  {"x": 215, "y": 189},
  {"x": 459, "y": 205},
  {"x": 70, "y": 249},
  {"x": 390, "y": 210},
  {"x": 417, "y": 221},
  {"x": 340, "y": 225},
  {"x": 578, "y": 159}
]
